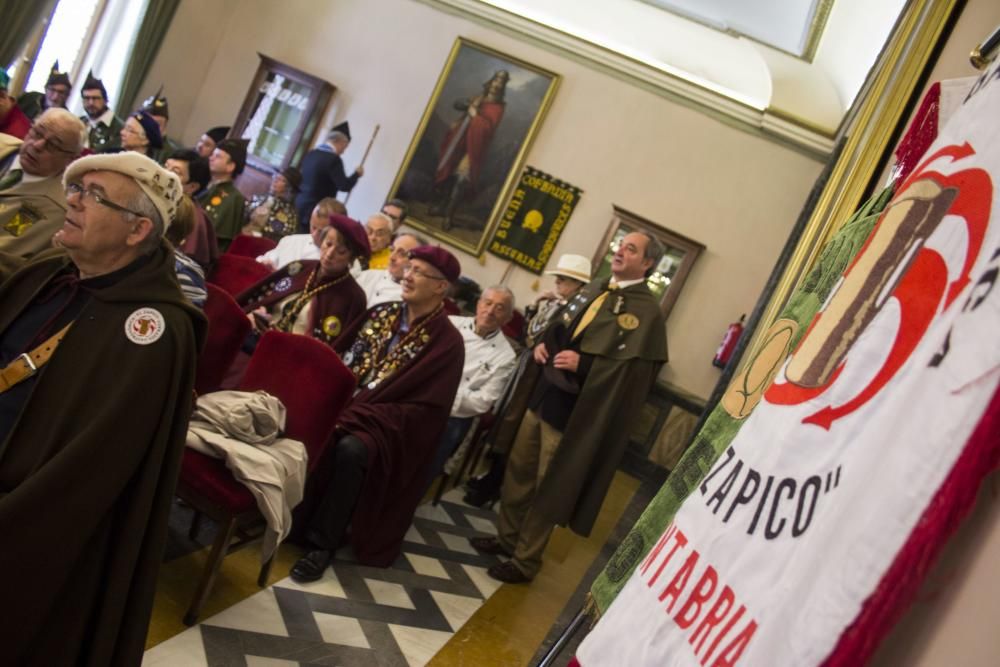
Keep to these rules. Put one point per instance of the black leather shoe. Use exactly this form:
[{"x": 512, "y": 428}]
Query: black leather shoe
[
  {"x": 311, "y": 566},
  {"x": 508, "y": 573},
  {"x": 489, "y": 545}
]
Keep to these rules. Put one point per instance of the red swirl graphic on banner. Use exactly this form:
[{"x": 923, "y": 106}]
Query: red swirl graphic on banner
[{"x": 895, "y": 251}]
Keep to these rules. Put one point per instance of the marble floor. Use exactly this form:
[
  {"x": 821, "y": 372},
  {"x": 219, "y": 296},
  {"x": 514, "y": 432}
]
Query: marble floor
[{"x": 435, "y": 605}]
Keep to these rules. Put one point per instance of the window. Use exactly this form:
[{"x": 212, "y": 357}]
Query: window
[
  {"x": 84, "y": 35},
  {"x": 669, "y": 276}
]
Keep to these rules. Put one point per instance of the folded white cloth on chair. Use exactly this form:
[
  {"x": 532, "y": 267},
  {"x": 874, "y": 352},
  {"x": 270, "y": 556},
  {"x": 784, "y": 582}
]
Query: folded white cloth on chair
[{"x": 244, "y": 429}]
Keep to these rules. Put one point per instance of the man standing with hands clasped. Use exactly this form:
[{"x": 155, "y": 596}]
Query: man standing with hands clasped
[{"x": 599, "y": 359}]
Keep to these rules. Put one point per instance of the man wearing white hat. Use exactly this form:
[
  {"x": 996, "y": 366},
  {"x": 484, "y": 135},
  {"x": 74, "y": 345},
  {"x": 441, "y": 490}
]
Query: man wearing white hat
[
  {"x": 97, "y": 356},
  {"x": 572, "y": 272}
]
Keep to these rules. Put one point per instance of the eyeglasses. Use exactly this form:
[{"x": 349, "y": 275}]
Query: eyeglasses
[
  {"x": 416, "y": 271},
  {"x": 97, "y": 197},
  {"x": 92, "y": 98},
  {"x": 379, "y": 233},
  {"x": 36, "y": 134}
]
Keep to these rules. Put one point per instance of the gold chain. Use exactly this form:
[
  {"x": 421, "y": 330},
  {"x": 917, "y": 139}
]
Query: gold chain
[{"x": 291, "y": 310}]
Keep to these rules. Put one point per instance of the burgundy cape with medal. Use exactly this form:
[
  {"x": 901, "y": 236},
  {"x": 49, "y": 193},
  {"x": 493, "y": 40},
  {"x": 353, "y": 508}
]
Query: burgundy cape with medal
[
  {"x": 399, "y": 413},
  {"x": 334, "y": 309}
]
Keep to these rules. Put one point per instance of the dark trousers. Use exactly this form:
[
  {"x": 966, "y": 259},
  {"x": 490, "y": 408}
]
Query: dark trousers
[{"x": 331, "y": 519}]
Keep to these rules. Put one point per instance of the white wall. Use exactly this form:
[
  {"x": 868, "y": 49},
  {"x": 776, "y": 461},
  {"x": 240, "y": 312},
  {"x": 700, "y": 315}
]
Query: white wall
[{"x": 735, "y": 192}]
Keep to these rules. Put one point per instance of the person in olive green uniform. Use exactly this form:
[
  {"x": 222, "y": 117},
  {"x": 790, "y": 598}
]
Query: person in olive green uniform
[
  {"x": 599, "y": 360},
  {"x": 222, "y": 201},
  {"x": 103, "y": 126},
  {"x": 56, "y": 93},
  {"x": 156, "y": 106}
]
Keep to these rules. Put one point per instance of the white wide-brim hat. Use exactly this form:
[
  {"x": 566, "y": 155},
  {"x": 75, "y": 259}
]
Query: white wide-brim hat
[{"x": 576, "y": 267}]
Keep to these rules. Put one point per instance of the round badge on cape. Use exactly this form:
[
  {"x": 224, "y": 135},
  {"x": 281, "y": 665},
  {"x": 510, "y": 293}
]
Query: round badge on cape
[
  {"x": 283, "y": 284},
  {"x": 145, "y": 326},
  {"x": 331, "y": 326},
  {"x": 628, "y": 321},
  {"x": 294, "y": 268}
]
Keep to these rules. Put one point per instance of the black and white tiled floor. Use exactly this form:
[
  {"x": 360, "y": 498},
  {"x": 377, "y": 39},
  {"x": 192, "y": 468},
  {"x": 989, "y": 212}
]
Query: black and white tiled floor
[{"x": 355, "y": 615}]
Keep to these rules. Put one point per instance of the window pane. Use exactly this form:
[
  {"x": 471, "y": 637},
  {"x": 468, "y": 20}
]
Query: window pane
[{"x": 63, "y": 40}]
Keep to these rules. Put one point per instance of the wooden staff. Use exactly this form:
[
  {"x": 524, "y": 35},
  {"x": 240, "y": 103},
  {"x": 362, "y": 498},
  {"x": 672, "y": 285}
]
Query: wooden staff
[{"x": 365, "y": 157}]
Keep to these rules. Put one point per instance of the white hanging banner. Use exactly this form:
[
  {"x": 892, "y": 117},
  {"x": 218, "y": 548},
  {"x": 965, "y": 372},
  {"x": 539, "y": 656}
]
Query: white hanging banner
[{"x": 773, "y": 556}]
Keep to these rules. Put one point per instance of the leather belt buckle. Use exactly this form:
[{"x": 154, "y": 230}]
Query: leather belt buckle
[{"x": 29, "y": 362}]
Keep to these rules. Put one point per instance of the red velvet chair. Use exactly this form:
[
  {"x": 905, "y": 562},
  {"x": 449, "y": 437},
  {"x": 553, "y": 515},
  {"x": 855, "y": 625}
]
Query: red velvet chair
[
  {"x": 514, "y": 329},
  {"x": 234, "y": 273},
  {"x": 314, "y": 386},
  {"x": 245, "y": 245},
  {"x": 228, "y": 326}
]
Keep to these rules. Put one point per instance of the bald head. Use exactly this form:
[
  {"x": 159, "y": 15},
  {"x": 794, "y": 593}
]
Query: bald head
[{"x": 54, "y": 141}]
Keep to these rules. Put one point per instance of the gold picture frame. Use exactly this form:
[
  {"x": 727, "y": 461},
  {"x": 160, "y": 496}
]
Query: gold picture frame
[{"x": 471, "y": 144}]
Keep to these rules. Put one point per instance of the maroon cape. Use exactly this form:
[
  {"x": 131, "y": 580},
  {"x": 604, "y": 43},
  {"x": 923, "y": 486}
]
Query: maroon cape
[
  {"x": 475, "y": 140},
  {"x": 334, "y": 310},
  {"x": 400, "y": 420},
  {"x": 201, "y": 245}
]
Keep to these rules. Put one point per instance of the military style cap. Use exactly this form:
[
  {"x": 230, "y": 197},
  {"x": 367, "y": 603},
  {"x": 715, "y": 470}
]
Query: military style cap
[
  {"x": 217, "y": 134},
  {"x": 440, "y": 259},
  {"x": 156, "y": 104},
  {"x": 354, "y": 233},
  {"x": 92, "y": 83},
  {"x": 237, "y": 150},
  {"x": 344, "y": 129},
  {"x": 56, "y": 77}
]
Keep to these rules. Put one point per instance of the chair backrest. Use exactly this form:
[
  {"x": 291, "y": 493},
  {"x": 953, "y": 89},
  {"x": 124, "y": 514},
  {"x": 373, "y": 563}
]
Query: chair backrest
[
  {"x": 235, "y": 274},
  {"x": 310, "y": 380},
  {"x": 245, "y": 245},
  {"x": 228, "y": 326},
  {"x": 514, "y": 329}
]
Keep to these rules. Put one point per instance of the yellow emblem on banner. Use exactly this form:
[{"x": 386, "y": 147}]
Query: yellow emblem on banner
[
  {"x": 628, "y": 321},
  {"x": 331, "y": 326},
  {"x": 533, "y": 220}
]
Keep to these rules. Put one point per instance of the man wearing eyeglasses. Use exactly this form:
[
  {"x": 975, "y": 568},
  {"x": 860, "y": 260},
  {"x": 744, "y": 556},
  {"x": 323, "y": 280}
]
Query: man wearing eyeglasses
[
  {"x": 104, "y": 127},
  {"x": 98, "y": 349},
  {"x": 32, "y": 199},
  {"x": 379, "y": 229}
]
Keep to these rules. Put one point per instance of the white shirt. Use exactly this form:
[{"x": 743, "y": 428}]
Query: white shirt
[
  {"x": 488, "y": 363},
  {"x": 290, "y": 249},
  {"x": 379, "y": 287}
]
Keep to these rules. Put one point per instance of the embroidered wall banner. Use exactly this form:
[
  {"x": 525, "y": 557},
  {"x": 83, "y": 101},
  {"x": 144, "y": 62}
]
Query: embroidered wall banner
[
  {"x": 822, "y": 497},
  {"x": 535, "y": 217}
]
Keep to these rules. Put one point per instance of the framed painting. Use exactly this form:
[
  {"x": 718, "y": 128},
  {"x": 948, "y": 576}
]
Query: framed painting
[
  {"x": 471, "y": 143},
  {"x": 668, "y": 279}
]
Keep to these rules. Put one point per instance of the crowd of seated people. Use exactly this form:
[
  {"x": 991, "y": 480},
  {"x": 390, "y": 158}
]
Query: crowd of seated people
[{"x": 376, "y": 293}]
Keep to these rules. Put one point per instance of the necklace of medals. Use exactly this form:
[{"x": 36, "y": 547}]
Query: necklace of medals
[
  {"x": 382, "y": 369},
  {"x": 291, "y": 310}
]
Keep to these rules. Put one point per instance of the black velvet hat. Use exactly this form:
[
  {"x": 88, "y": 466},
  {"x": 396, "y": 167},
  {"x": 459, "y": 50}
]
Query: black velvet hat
[
  {"x": 156, "y": 104},
  {"x": 237, "y": 150},
  {"x": 92, "y": 83},
  {"x": 56, "y": 77},
  {"x": 344, "y": 129},
  {"x": 217, "y": 134}
]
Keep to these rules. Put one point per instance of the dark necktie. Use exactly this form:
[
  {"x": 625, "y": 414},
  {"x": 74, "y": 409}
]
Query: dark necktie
[{"x": 10, "y": 179}]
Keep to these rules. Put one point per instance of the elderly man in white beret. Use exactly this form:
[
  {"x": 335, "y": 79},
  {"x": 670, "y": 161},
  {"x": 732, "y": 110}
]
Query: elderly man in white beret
[{"x": 97, "y": 357}]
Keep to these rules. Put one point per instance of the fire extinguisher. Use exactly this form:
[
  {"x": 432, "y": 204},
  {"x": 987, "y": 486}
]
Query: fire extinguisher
[{"x": 728, "y": 345}]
